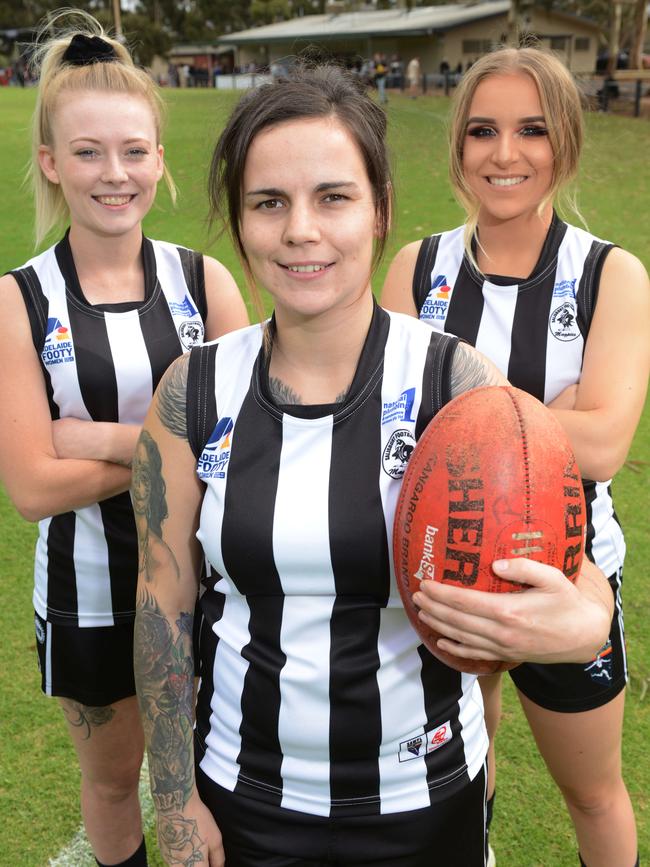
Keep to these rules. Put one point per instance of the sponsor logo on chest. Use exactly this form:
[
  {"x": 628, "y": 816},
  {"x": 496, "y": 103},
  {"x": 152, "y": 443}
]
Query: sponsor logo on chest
[
  {"x": 437, "y": 301},
  {"x": 58, "y": 347},
  {"x": 400, "y": 409},
  {"x": 216, "y": 453}
]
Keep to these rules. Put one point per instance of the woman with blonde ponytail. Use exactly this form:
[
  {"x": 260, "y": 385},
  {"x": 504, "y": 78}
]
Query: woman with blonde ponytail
[
  {"x": 565, "y": 316},
  {"x": 96, "y": 320}
]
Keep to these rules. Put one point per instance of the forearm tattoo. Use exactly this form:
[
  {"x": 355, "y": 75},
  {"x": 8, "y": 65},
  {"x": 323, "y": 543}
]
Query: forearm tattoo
[
  {"x": 150, "y": 507},
  {"x": 179, "y": 840},
  {"x": 82, "y": 716},
  {"x": 172, "y": 393},
  {"x": 469, "y": 370},
  {"x": 164, "y": 676}
]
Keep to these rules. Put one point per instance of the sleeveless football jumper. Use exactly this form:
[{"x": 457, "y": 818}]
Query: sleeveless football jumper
[
  {"x": 102, "y": 363},
  {"x": 534, "y": 330},
  {"x": 317, "y": 695}
]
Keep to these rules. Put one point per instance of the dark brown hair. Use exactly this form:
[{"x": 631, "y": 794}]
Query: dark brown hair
[{"x": 308, "y": 92}]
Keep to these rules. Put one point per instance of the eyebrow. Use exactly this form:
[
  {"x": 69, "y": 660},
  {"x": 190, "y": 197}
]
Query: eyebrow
[
  {"x": 89, "y": 138},
  {"x": 535, "y": 119},
  {"x": 321, "y": 188}
]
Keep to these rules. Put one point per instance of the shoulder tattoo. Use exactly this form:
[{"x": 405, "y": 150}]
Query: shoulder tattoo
[
  {"x": 470, "y": 369},
  {"x": 172, "y": 394}
]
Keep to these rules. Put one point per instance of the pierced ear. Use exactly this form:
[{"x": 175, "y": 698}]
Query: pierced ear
[{"x": 47, "y": 163}]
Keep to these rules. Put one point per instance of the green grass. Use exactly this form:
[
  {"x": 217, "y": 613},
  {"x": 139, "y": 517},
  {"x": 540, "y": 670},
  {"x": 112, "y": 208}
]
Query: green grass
[{"x": 38, "y": 773}]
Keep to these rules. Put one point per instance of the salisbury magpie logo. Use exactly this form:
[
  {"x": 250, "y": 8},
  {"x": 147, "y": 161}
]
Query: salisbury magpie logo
[
  {"x": 437, "y": 301},
  {"x": 397, "y": 452},
  {"x": 216, "y": 452},
  {"x": 58, "y": 346},
  {"x": 184, "y": 308},
  {"x": 190, "y": 333},
  {"x": 563, "y": 322}
]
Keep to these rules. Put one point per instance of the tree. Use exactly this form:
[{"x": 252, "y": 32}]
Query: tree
[{"x": 640, "y": 29}]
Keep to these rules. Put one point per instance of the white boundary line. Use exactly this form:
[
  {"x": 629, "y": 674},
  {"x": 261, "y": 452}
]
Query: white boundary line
[{"x": 78, "y": 852}]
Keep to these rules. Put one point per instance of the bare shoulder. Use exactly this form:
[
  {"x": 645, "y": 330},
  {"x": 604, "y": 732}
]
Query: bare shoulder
[
  {"x": 216, "y": 273},
  {"x": 397, "y": 290},
  {"x": 620, "y": 265},
  {"x": 226, "y": 308},
  {"x": 471, "y": 369}
]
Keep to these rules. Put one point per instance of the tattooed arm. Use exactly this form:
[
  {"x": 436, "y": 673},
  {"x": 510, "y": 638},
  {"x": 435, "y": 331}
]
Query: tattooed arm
[
  {"x": 166, "y": 497},
  {"x": 471, "y": 369}
]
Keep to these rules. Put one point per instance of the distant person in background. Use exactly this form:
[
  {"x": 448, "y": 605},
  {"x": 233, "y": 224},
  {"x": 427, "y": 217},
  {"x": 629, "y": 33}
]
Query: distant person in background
[
  {"x": 380, "y": 72},
  {"x": 414, "y": 76},
  {"x": 95, "y": 319}
]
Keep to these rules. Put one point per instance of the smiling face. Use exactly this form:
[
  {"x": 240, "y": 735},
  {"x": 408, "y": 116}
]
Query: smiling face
[
  {"x": 106, "y": 158},
  {"x": 507, "y": 156},
  {"x": 308, "y": 216}
]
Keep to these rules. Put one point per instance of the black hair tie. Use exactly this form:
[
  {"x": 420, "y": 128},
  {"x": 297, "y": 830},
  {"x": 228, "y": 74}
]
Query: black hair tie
[{"x": 84, "y": 50}]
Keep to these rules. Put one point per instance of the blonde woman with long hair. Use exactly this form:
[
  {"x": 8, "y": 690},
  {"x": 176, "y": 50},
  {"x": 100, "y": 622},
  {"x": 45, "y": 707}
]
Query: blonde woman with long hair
[
  {"x": 565, "y": 316},
  {"x": 96, "y": 320}
]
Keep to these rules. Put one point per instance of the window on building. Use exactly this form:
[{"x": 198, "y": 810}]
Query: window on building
[
  {"x": 582, "y": 43},
  {"x": 558, "y": 43}
]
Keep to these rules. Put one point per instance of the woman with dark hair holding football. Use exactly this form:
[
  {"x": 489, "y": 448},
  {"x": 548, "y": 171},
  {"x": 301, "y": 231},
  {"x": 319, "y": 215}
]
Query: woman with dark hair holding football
[
  {"x": 325, "y": 733},
  {"x": 96, "y": 319},
  {"x": 565, "y": 316}
]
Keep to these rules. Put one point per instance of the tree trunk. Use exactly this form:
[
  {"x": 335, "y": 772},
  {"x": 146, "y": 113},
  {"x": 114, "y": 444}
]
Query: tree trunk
[
  {"x": 614, "y": 36},
  {"x": 640, "y": 26}
]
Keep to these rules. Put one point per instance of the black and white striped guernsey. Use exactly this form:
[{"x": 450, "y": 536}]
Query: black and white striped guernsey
[
  {"x": 533, "y": 329},
  {"x": 102, "y": 363},
  {"x": 316, "y": 693}
]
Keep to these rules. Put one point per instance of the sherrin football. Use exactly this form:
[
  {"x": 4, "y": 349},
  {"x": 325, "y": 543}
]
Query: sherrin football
[{"x": 493, "y": 476}]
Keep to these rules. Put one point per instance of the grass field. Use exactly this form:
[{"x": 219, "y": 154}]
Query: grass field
[{"x": 38, "y": 774}]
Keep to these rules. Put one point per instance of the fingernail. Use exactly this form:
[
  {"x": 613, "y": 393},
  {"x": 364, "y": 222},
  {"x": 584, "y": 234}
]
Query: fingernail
[
  {"x": 417, "y": 597},
  {"x": 500, "y": 565}
]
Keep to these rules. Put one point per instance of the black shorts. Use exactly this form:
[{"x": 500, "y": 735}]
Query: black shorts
[
  {"x": 91, "y": 665},
  {"x": 572, "y": 688},
  {"x": 451, "y": 833}
]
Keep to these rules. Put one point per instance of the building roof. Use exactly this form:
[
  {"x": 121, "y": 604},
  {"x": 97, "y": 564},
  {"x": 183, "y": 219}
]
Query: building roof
[{"x": 421, "y": 21}]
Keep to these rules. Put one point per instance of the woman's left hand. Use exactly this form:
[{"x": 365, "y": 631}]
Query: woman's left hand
[{"x": 552, "y": 620}]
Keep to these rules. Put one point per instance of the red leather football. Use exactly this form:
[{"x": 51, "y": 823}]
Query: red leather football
[{"x": 493, "y": 476}]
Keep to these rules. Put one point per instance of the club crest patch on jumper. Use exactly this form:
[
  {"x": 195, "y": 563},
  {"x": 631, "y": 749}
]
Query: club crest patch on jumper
[
  {"x": 563, "y": 322},
  {"x": 190, "y": 333},
  {"x": 58, "y": 347},
  {"x": 397, "y": 452},
  {"x": 427, "y": 742},
  {"x": 216, "y": 452}
]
